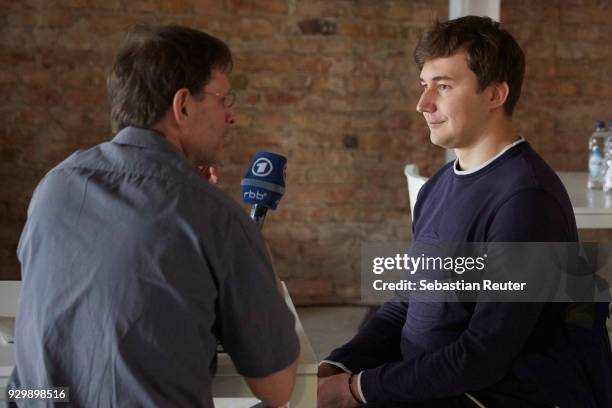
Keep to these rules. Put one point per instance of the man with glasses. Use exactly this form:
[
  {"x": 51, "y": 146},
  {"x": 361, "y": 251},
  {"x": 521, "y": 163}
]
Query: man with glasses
[{"x": 134, "y": 264}]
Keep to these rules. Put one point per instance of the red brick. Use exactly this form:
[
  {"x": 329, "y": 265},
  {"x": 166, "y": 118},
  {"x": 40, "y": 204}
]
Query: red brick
[
  {"x": 324, "y": 8},
  {"x": 37, "y": 77},
  {"x": 308, "y": 45},
  {"x": 253, "y": 7},
  {"x": 210, "y": 8},
  {"x": 351, "y": 28},
  {"x": 264, "y": 63},
  {"x": 84, "y": 97},
  {"x": 56, "y": 18},
  {"x": 306, "y": 195},
  {"x": 253, "y": 27},
  {"x": 8, "y": 77},
  {"x": 14, "y": 56},
  {"x": 274, "y": 44},
  {"x": 425, "y": 12},
  {"x": 177, "y": 6},
  {"x": 340, "y": 196},
  {"x": 337, "y": 46},
  {"x": 331, "y": 83},
  {"x": 150, "y": 6},
  {"x": 88, "y": 4},
  {"x": 269, "y": 120},
  {"x": 281, "y": 99},
  {"x": 21, "y": 18},
  {"x": 568, "y": 89},
  {"x": 362, "y": 85}
]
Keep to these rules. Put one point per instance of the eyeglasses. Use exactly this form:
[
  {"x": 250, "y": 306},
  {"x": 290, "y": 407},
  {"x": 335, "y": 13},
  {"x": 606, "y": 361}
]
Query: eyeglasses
[{"x": 227, "y": 100}]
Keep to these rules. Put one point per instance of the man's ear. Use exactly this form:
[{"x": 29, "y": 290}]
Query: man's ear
[
  {"x": 498, "y": 94},
  {"x": 180, "y": 108}
]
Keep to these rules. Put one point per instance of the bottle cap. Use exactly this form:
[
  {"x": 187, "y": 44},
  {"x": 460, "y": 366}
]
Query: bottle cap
[{"x": 600, "y": 124}]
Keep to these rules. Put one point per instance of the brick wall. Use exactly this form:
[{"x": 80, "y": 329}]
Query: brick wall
[
  {"x": 329, "y": 84},
  {"x": 568, "y": 84},
  {"x": 569, "y": 80}
]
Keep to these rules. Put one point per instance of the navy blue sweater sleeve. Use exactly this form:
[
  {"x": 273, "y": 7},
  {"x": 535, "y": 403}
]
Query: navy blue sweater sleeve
[
  {"x": 377, "y": 342},
  {"x": 484, "y": 352}
]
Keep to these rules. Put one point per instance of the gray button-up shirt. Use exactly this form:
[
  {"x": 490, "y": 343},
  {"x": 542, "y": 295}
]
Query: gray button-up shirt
[{"x": 132, "y": 264}]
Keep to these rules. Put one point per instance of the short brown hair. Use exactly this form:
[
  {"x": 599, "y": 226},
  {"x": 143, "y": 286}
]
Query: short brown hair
[
  {"x": 491, "y": 52},
  {"x": 153, "y": 63}
]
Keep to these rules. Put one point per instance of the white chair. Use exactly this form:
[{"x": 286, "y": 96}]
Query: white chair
[
  {"x": 415, "y": 182},
  {"x": 9, "y": 295}
]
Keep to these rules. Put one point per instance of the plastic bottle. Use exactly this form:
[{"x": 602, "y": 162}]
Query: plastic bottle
[
  {"x": 607, "y": 186},
  {"x": 596, "y": 156}
]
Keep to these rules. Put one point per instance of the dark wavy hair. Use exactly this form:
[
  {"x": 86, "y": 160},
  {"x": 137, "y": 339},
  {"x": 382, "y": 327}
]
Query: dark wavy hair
[
  {"x": 153, "y": 63},
  {"x": 491, "y": 52}
]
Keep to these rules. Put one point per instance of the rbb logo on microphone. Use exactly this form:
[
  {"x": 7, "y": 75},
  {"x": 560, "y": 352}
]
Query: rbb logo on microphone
[
  {"x": 255, "y": 195},
  {"x": 264, "y": 182}
]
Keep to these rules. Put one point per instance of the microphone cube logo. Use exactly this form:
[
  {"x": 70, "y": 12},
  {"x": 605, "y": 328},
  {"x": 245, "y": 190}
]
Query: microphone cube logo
[{"x": 262, "y": 167}]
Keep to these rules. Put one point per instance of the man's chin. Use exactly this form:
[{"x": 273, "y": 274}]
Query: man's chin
[{"x": 440, "y": 140}]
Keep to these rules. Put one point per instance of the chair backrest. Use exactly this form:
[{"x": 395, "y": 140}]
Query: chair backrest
[
  {"x": 415, "y": 182},
  {"x": 9, "y": 295}
]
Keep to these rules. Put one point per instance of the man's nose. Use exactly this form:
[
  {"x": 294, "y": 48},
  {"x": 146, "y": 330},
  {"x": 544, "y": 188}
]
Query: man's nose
[{"x": 426, "y": 102}]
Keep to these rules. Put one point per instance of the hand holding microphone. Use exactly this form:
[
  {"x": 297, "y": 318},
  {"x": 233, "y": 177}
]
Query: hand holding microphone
[
  {"x": 264, "y": 184},
  {"x": 209, "y": 173}
]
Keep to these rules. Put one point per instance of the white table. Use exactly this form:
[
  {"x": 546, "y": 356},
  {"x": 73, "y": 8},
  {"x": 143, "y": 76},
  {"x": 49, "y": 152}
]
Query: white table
[
  {"x": 228, "y": 383},
  {"x": 228, "y": 387},
  {"x": 592, "y": 208}
]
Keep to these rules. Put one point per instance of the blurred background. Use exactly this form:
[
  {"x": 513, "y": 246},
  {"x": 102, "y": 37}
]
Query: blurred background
[{"x": 330, "y": 84}]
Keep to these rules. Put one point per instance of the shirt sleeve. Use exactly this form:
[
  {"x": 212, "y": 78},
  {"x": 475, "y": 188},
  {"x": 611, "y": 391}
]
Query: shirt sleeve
[
  {"x": 376, "y": 342},
  {"x": 335, "y": 363},
  {"x": 484, "y": 353},
  {"x": 254, "y": 323}
]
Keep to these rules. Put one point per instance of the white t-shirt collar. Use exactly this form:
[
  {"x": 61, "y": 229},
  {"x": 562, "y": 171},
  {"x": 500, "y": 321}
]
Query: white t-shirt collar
[{"x": 485, "y": 164}]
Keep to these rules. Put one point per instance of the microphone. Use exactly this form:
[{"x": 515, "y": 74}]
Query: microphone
[{"x": 264, "y": 184}]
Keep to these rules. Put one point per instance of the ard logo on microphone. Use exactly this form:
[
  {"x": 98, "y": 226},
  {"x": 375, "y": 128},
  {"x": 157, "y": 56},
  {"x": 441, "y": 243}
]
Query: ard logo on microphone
[{"x": 262, "y": 167}]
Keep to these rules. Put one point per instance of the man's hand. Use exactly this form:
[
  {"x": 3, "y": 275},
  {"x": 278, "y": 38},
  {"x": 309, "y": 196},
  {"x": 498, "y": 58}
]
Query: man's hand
[
  {"x": 333, "y": 392},
  {"x": 327, "y": 370},
  {"x": 209, "y": 173}
]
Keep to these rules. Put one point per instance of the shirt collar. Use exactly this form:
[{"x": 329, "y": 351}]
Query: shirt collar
[
  {"x": 485, "y": 164},
  {"x": 147, "y": 138}
]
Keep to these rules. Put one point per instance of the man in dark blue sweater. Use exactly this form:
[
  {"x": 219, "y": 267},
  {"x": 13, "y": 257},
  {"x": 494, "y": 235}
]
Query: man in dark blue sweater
[{"x": 434, "y": 354}]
